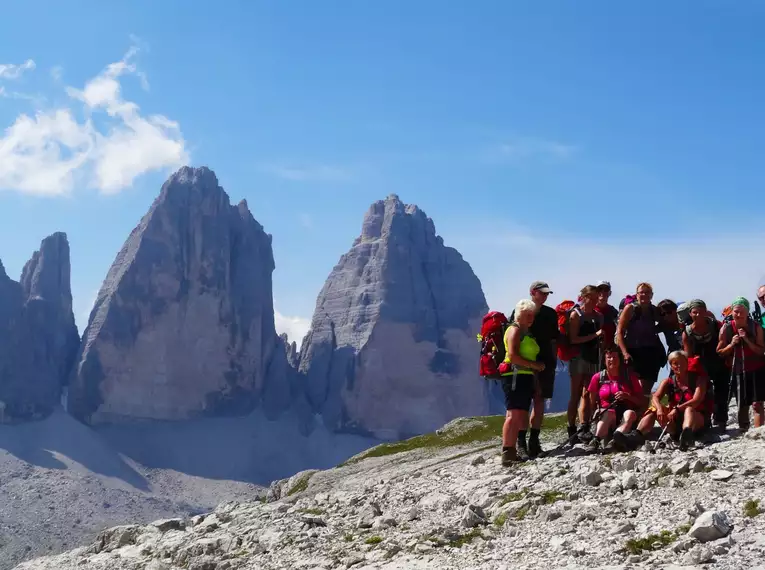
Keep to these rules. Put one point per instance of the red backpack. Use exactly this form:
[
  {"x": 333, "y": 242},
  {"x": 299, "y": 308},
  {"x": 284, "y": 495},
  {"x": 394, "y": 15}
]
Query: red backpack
[
  {"x": 492, "y": 339},
  {"x": 566, "y": 350}
]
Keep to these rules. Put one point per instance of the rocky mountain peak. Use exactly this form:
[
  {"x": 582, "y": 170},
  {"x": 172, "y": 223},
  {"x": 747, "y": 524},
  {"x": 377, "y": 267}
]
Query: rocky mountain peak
[
  {"x": 38, "y": 335},
  {"x": 394, "y": 321},
  {"x": 183, "y": 325}
]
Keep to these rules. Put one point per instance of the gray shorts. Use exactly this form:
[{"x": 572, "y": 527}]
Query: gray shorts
[{"x": 580, "y": 366}]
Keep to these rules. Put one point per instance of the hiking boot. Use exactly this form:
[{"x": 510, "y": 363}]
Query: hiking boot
[
  {"x": 571, "y": 431},
  {"x": 621, "y": 443},
  {"x": 534, "y": 448},
  {"x": 584, "y": 434},
  {"x": 593, "y": 444},
  {"x": 635, "y": 439},
  {"x": 686, "y": 439},
  {"x": 523, "y": 452},
  {"x": 509, "y": 456}
]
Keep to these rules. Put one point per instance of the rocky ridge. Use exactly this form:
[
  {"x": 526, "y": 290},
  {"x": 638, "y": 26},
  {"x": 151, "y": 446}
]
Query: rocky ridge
[
  {"x": 391, "y": 350},
  {"x": 457, "y": 507},
  {"x": 38, "y": 335},
  {"x": 183, "y": 325}
]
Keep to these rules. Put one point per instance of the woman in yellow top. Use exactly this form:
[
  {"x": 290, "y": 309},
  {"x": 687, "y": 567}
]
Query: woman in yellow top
[{"x": 519, "y": 381}]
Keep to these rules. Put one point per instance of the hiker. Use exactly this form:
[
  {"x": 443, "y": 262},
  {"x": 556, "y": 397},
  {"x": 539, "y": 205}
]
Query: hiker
[
  {"x": 670, "y": 325},
  {"x": 700, "y": 338},
  {"x": 610, "y": 316},
  {"x": 689, "y": 401},
  {"x": 620, "y": 393},
  {"x": 742, "y": 346},
  {"x": 519, "y": 382},
  {"x": 637, "y": 336},
  {"x": 584, "y": 332},
  {"x": 544, "y": 329},
  {"x": 761, "y": 299}
]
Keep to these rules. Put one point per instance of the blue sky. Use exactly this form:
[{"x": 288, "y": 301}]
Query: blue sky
[{"x": 583, "y": 140}]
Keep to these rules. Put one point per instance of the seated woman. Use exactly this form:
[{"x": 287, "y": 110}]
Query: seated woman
[
  {"x": 622, "y": 393},
  {"x": 519, "y": 381},
  {"x": 690, "y": 401}
]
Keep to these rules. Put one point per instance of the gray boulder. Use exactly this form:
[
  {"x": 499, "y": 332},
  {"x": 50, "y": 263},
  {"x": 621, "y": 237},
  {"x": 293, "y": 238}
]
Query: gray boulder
[
  {"x": 38, "y": 335},
  {"x": 183, "y": 325},
  {"x": 392, "y": 349}
]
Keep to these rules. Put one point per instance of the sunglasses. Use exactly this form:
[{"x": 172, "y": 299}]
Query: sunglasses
[{"x": 666, "y": 312}]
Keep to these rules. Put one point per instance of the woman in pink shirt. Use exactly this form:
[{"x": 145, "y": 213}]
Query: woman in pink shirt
[{"x": 620, "y": 390}]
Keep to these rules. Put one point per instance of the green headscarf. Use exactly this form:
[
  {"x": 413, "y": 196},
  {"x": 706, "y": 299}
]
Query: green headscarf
[{"x": 740, "y": 301}]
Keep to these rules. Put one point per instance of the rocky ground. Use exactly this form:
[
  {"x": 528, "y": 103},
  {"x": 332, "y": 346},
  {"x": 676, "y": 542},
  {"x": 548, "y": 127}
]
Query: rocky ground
[{"x": 444, "y": 501}]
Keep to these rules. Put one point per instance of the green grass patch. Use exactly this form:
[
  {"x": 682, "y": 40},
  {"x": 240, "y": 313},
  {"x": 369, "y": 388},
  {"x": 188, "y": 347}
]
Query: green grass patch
[
  {"x": 550, "y": 497},
  {"x": 312, "y": 511},
  {"x": 500, "y": 519},
  {"x": 373, "y": 540},
  {"x": 512, "y": 497},
  {"x": 301, "y": 485},
  {"x": 655, "y": 541},
  {"x": 752, "y": 508},
  {"x": 465, "y": 538},
  {"x": 348, "y": 537},
  {"x": 522, "y": 512},
  {"x": 461, "y": 431}
]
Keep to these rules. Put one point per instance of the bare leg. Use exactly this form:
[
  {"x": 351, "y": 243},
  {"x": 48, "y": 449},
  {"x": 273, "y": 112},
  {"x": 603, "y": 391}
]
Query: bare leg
[
  {"x": 646, "y": 423},
  {"x": 506, "y": 430},
  {"x": 604, "y": 425},
  {"x": 573, "y": 399},
  {"x": 537, "y": 412},
  {"x": 758, "y": 414},
  {"x": 585, "y": 413},
  {"x": 627, "y": 421}
]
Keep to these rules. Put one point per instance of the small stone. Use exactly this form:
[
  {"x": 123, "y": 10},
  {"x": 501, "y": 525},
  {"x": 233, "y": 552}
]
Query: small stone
[
  {"x": 384, "y": 522},
  {"x": 474, "y": 516},
  {"x": 698, "y": 466},
  {"x": 721, "y": 475},
  {"x": 413, "y": 514},
  {"x": 679, "y": 466},
  {"x": 710, "y": 526},
  {"x": 629, "y": 480},
  {"x": 621, "y": 528},
  {"x": 591, "y": 478},
  {"x": 479, "y": 460},
  {"x": 699, "y": 555},
  {"x": 163, "y": 525}
]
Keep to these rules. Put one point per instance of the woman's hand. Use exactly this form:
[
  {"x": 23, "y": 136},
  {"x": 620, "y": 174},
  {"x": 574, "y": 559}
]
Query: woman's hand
[
  {"x": 538, "y": 366},
  {"x": 621, "y": 396},
  {"x": 736, "y": 340},
  {"x": 661, "y": 416}
]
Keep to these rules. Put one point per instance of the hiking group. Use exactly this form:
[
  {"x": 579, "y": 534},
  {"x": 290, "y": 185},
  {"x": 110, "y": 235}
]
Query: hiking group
[{"x": 614, "y": 358}]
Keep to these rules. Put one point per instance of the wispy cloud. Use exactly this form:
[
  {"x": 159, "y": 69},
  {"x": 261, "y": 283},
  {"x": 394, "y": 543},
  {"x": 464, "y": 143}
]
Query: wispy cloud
[
  {"x": 51, "y": 152},
  {"x": 12, "y": 71},
  {"x": 295, "y": 327},
  {"x": 715, "y": 269},
  {"x": 308, "y": 172},
  {"x": 525, "y": 148}
]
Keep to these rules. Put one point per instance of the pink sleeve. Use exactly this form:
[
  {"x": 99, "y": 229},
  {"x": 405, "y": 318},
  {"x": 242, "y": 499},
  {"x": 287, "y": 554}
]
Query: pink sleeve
[{"x": 594, "y": 383}]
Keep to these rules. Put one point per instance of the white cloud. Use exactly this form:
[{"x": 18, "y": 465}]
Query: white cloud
[
  {"x": 295, "y": 327},
  {"x": 308, "y": 173},
  {"x": 523, "y": 148},
  {"x": 11, "y": 71},
  {"x": 52, "y": 152},
  {"x": 716, "y": 268}
]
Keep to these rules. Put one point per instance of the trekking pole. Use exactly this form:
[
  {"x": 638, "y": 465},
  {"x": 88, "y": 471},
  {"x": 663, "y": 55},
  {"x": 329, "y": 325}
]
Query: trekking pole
[{"x": 655, "y": 445}]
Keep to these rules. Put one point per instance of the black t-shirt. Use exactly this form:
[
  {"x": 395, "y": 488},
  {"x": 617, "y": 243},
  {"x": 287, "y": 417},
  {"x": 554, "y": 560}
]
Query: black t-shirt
[{"x": 544, "y": 329}]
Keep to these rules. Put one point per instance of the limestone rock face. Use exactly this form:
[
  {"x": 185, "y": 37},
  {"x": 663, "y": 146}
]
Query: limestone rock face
[
  {"x": 38, "y": 335},
  {"x": 183, "y": 325},
  {"x": 392, "y": 347}
]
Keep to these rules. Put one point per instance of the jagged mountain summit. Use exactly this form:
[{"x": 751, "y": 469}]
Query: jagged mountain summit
[
  {"x": 38, "y": 335},
  {"x": 391, "y": 350},
  {"x": 183, "y": 325}
]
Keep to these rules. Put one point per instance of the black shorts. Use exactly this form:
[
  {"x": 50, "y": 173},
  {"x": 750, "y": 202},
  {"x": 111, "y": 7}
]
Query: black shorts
[
  {"x": 547, "y": 377},
  {"x": 518, "y": 394},
  {"x": 647, "y": 362},
  {"x": 753, "y": 387}
]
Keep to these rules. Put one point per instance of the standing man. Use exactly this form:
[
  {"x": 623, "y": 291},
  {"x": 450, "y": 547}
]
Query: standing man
[
  {"x": 544, "y": 329},
  {"x": 610, "y": 316},
  {"x": 761, "y": 299}
]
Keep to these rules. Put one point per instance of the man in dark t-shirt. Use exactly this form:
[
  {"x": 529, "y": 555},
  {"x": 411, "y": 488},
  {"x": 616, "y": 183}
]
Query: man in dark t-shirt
[{"x": 545, "y": 330}]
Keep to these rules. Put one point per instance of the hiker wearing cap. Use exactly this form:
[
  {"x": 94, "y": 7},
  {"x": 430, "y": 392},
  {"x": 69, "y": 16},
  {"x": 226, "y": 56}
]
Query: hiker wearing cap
[
  {"x": 518, "y": 371},
  {"x": 700, "y": 339},
  {"x": 584, "y": 331},
  {"x": 689, "y": 401},
  {"x": 742, "y": 346},
  {"x": 609, "y": 313},
  {"x": 637, "y": 336},
  {"x": 544, "y": 328},
  {"x": 620, "y": 393}
]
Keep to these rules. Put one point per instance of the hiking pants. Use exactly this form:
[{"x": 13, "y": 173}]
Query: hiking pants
[{"x": 721, "y": 384}]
